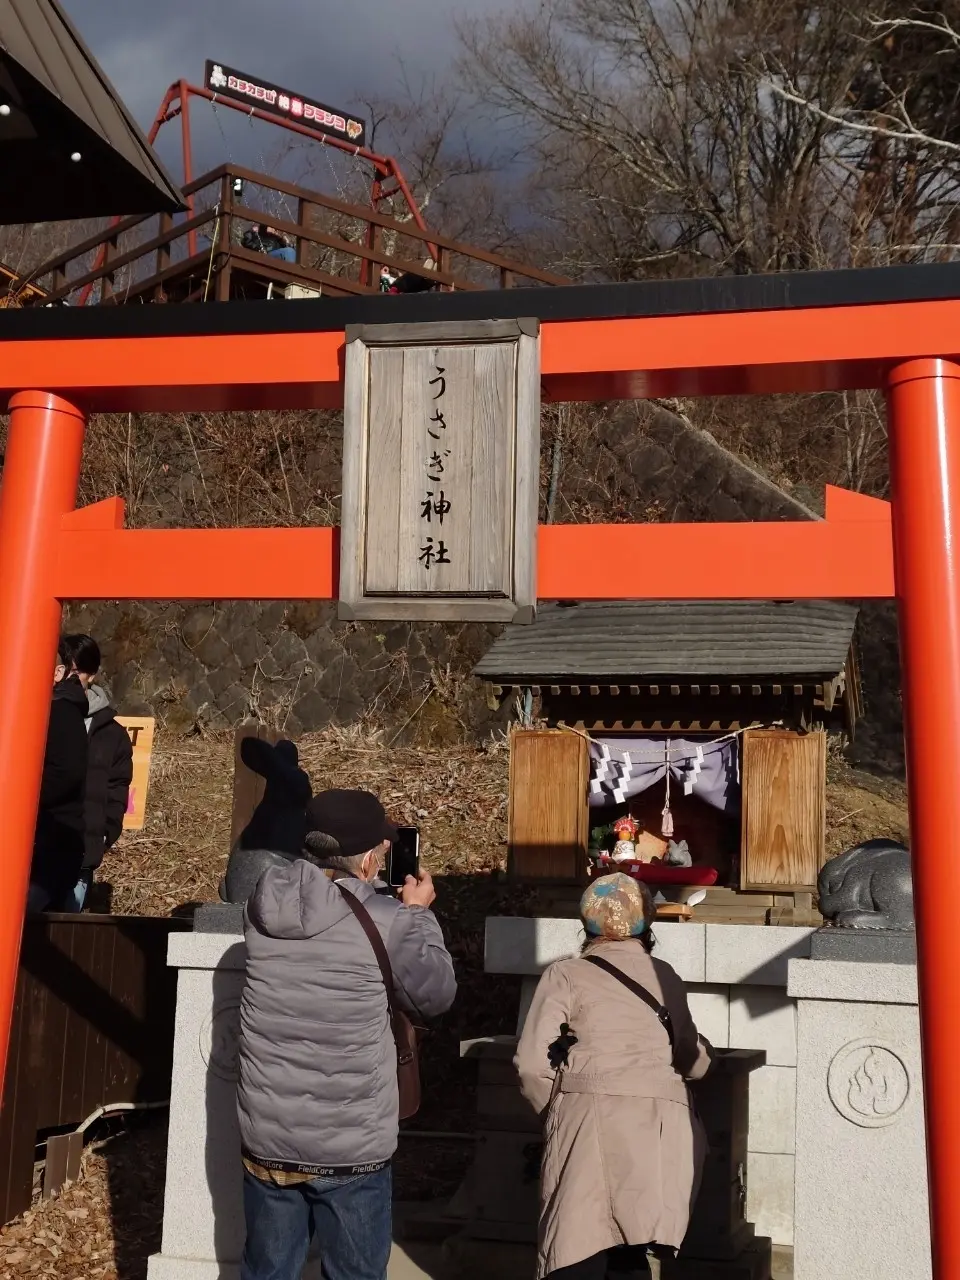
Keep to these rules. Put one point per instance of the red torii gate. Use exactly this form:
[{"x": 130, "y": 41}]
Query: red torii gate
[{"x": 897, "y": 328}]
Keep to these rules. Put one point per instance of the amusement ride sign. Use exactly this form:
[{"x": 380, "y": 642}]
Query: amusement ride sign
[{"x": 226, "y": 82}]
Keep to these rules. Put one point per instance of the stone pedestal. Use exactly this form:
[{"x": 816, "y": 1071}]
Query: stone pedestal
[
  {"x": 202, "y": 1211},
  {"x": 499, "y": 1201},
  {"x": 861, "y": 1178},
  {"x": 736, "y": 979},
  {"x": 720, "y": 1241},
  {"x": 203, "y": 1230}
]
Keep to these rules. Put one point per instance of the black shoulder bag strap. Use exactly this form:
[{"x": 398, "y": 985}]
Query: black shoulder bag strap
[{"x": 660, "y": 1010}]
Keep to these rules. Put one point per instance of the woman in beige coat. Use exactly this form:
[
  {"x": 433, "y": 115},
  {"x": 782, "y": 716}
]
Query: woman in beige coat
[{"x": 623, "y": 1148}]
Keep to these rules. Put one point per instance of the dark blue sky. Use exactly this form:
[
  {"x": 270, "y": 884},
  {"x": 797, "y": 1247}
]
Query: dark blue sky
[{"x": 337, "y": 53}]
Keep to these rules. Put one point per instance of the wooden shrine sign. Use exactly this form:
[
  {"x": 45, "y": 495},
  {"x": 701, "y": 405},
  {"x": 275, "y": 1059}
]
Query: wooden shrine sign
[{"x": 441, "y": 467}]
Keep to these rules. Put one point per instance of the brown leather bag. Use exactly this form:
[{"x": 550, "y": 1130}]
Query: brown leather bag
[{"x": 404, "y": 1032}]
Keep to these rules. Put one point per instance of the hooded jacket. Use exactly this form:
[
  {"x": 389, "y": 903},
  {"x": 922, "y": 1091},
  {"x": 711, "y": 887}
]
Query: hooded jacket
[
  {"x": 109, "y": 775},
  {"x": 318, "y": 1065},
  {"x": 58, "y": 843}
]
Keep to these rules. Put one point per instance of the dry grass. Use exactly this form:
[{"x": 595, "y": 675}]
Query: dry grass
[
  {"x": 457, "y": 795},
  {"x": 106, "y": 1225},
  {"x": 102, "y": 1227},
  {"x": 861, "y": 806}
]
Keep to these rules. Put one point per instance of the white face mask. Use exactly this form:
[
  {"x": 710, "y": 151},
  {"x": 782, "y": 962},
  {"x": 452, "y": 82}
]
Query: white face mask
[{"x": 373, "y": 862}]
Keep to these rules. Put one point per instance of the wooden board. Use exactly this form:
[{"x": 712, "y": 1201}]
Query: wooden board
[
  {"x": 248, "y": 787},
  {"x": 93, "y": 1024},
  {"x": 440, "y": 471},
  {"x": 784, "y": 798},
  {"x": 549, "y": 818}
]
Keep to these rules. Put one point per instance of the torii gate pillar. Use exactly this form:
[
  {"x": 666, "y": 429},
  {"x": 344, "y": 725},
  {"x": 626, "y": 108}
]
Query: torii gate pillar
[
  {"x": 41, "y": 471},
  {"x": 924, "y": 425}
]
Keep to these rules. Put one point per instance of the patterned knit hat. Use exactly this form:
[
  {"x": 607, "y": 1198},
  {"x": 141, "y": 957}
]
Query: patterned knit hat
[{"x": 616, "y": 907}]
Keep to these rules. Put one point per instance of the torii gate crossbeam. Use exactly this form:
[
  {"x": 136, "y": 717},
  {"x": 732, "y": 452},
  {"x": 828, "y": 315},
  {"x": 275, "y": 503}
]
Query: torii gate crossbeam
[{"x": 897, "y": 328}]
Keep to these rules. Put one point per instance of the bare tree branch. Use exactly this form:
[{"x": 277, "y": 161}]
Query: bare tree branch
[{"x": 904, "y": 134}]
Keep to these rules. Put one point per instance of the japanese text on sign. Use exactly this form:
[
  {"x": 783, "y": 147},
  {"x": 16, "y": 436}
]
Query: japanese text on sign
[
  {"x": 435, "y": 506},
  {"x": 229, "y": 83}
]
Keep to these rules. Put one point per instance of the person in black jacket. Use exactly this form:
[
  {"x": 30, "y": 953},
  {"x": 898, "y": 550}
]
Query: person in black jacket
[
  {"x": 264, "y": 239},
  {"x": 58, "y": 844},
  {"x": 109, "y": 769}
]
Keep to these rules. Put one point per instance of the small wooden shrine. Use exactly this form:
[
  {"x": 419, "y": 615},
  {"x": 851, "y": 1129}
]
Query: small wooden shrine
[{"x": 705, "y": 723}]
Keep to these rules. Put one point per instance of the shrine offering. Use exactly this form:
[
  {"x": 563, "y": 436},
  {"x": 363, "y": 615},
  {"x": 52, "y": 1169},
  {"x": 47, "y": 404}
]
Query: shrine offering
[{"x": 626, "y": 831}]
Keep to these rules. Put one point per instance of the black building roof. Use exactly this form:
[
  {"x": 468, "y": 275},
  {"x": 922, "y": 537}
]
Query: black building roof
[
  {"x": 61, "y": 105},
  {"x": 792, "y": 290},
  {"x": 651, "y": 638}
]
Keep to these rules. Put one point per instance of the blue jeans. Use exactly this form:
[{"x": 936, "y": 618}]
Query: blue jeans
[
  {"x": 286, "y": 254},
  {"x": 77, "y": 896},
  {"x": 39, "y": 899},
  {"x": 352, "y": 1219}
]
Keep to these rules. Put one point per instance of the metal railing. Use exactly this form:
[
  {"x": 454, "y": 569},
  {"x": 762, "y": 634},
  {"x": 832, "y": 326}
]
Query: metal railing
[{"x": 340, "y": 248}]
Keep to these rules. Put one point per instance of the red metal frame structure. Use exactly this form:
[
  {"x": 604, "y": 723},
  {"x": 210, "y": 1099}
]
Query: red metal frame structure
[
  {"x": 896, "y": 329},
  {"x": 385, "y": 168},
  {"x": 176, "y": 102}
]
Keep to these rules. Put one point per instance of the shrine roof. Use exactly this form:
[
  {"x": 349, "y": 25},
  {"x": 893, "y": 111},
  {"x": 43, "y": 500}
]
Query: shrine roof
[
  {"x": 628, "y": 639},
  {"x": 789, "y": 291}
]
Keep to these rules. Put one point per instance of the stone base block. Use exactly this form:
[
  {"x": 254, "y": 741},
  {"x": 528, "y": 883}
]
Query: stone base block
[
  {"x": 755, "y": 1263},
  {"x": 401, "y": 1267},
  {"x": 869, "y": 946},
  {"x": 219, "y": 917},
  {"x": 160, "y": 1267},
  {"x": 430, "y": 1226}
]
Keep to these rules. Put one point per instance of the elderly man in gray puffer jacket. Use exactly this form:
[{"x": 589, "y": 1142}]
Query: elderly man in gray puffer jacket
[{"x": 318, "y": 1096}]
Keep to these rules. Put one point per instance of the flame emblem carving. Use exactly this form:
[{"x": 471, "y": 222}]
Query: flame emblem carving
[
  {"x": 871, "y": 1093},
  {"x": 868, "y": 1084},
  {"x": 220, "y": 1040}
]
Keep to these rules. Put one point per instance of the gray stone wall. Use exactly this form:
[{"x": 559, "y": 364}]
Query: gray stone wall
[
  {"x": 682, "y": 473},
  {"x": 291, "y": 664}
]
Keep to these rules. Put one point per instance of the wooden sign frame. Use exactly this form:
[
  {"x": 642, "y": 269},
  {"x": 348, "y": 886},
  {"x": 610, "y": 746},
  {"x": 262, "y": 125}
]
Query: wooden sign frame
[{"x": 515, "y": 601}]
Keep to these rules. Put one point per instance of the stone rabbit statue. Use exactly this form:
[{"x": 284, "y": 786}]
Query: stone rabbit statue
[{"x": 868, "y": 887}]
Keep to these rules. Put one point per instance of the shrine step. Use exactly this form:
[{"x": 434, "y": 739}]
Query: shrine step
[{"x": 755, "y": 1263}]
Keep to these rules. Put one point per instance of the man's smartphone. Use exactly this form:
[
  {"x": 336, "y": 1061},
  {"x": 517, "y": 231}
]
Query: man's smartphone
[{"x": 404, "y": 857}]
